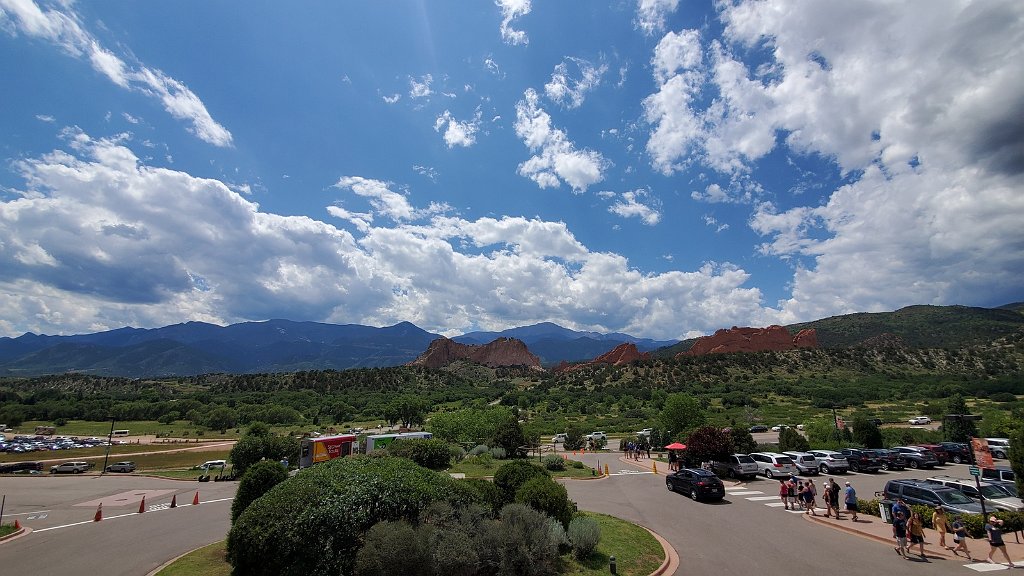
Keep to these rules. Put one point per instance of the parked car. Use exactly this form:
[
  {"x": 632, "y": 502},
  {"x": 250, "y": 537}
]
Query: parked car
[
  {"x": 875, "y": 421},
  {"x": 805, "y": 462},
  {"x": 558, "y": 438},
  {"x": 121, "y": 467},
  {"x": 862, "y": 460},
  {"x": 931, "y": 495},
  {"x": 831, "y": 462},
  {"x": 70, "y": 468},
  {"x": 16, "y": 467},
  {"x": 918, "y": 457},
  {"x": 645, "y": 432},
  {"x": 595, "y": 436},
  {"x": 999, "y": 447},
  {"x": 995, "y": 496},
  {"x": 773, "y": 464},
  {"x": 736, "y": 466},
  {"x": 958, "y": 453},
  {"x": 758, "y": 428},
  {"x": 779, "y": 427},
  {"x": 1009, "y": 487},
  {"x": 1004, "y": 473},
  {"x": 211, "y": 464},
  {"x": 938, "y": 450},
  {"x": 919, "y": 420},
  {"x": 891, "y": 459},
  {"x": 696, "y": 482}
]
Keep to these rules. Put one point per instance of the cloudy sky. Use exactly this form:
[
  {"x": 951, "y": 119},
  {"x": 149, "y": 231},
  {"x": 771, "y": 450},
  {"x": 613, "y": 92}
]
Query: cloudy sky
[{"x": 658, "y": 167}]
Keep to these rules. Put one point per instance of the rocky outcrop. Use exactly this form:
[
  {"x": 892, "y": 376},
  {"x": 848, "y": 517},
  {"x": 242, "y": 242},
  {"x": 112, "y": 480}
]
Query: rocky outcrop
[
  {"x": 752, "y": 340},
  {"x": 500, "y": 352},
  {"x": 624, "y": 353}
]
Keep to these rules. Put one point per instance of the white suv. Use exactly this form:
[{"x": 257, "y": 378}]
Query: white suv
[
  {"x": 830, "y": 461},
  {"x": 805, "y": 462},
  {"x": 773, "y": 464},
  {"x": 999, "y": 447},
  {"x": 918, "y": 420}
]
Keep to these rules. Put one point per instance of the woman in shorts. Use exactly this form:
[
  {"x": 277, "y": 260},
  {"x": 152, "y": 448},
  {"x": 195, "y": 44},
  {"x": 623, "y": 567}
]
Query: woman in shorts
[{"x": 916, "y": 529}]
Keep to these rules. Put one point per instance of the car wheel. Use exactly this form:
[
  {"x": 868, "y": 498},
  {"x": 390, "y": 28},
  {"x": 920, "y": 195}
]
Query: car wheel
[
  {"x": 823, "y": 469},
  {"x": 854, "y": 467},
  {"x": 914, "y": 464},
  {"x": 693, "y": 494},
  {"x": 885, "y": 466},
  {"x": 957, "y": 460},
  {"x": 669, "y": 486},
  {"x": 75, "y": 471},
  {"x": 999, "y": 454},
  {"x": 731, "y": 474},
  {"x": 768, "y": 473}
]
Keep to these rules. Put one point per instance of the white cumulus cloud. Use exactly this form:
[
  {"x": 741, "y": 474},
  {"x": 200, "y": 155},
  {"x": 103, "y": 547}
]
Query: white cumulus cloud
[{"x": 510, "y": 10}]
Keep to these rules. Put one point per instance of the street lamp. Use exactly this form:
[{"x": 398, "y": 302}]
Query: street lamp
[
  {"x": 110, "y": 439},
  {"x": 961, "y": 418}
]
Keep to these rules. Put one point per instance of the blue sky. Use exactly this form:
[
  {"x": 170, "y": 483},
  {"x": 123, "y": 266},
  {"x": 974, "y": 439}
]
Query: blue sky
[{"x": 656, "y": 167}]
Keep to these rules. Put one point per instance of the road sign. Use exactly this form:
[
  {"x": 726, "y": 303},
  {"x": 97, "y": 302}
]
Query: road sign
[{"x": 975, "y": 471}]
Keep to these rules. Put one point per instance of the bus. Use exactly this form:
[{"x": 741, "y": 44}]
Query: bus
[
  {"x": 316, "y": 450},
  {"x": 382, "y": 440},
  {"x": 119, "y": 433}
]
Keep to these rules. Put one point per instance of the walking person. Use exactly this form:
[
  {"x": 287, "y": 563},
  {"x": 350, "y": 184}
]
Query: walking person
[
  {"x": 899, "y": 532},
  {"x": 960, "y": 538},
  {"x": 916, "y": 529},
  {"x": 784, "y": 493},
  {"x": 850, "y": 499},
  {"x": 994, "y": 530},
  {"x": 834, "y": 495},
  {"x": 801, "y": 494},
  {"x": 810, "y": 495},
  {"x": 826, "y": 496},
  {"x": 940, "y": 523},
  {"x": 791, "y": 492}
]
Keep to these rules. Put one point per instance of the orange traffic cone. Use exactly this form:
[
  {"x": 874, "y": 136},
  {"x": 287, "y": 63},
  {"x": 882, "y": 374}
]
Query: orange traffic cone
[
  {"x": 142, "y": 505},
  {"x": 99, "y": 513},
  {"x": 174, "y": 501},
  {"x": 195, "y": 501},
  {"x": 17, "y": 525}
]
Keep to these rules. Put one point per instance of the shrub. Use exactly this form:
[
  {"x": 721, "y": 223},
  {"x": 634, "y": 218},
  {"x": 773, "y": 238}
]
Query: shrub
[
  {"x": 313, "y": 522},
  {"x": 554, "y": 463},
  {"x": 479, "y": 449},
  {"x": 453, "y": 553},
  {"x": 557, "y": 533},
  {"x": 427, "y": 452},
  {"x": 457, "y": 453},
  {"x": 526, "y": 547},
  {"x": 545, "y": 495},
  {"x": 486, "y": 493},
  {"x": 577, "y": 464},
  {"x": 584, "y": 534},
  {"x": 256, "y": 482},
  {"x": 510, "y": 476},
  {"x": 498, "y": 453},
  {"x": 252, "y": 448},
  {"x": 393, "y": 548}
]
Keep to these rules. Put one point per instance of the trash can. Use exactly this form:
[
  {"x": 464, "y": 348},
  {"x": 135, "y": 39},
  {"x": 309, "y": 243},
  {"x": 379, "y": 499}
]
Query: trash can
[{"x": 885, "y": 510}]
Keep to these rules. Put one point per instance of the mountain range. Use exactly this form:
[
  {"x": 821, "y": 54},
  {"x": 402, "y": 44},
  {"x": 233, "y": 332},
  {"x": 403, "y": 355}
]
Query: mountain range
[{"x": 195, "y": 348}]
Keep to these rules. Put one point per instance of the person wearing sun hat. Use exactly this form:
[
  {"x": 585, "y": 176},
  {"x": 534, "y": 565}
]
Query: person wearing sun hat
[{"x": 994, "y": 530}]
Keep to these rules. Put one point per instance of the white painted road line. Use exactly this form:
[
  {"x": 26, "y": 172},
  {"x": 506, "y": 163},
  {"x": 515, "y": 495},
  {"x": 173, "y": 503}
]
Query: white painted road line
[
  {"x": 744, "y": 493},
  {"x": 27, "y": 513},
  {"x": 106, "y": 518},
  {"x": 774, "y": 504},
  {"x": 986, "y": 567},
  {"x": 765, "y": 498}
]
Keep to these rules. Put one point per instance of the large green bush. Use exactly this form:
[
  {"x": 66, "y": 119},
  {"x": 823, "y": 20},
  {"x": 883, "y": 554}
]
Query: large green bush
[
  {"x": 256, "y": 482},
  {"x": 487, "y": 493},
  {"x": 394, "y": 548},
  {"x": 427, "y": 452},
  {"x": 252, "y": 448},
  {"x": 527, "y": 547},
  {"x": 511, "y": 475},
  {"x": 313, "y": 523},
  {"x": 554, "y": 463},
  {"x": 545, "y": 495}
]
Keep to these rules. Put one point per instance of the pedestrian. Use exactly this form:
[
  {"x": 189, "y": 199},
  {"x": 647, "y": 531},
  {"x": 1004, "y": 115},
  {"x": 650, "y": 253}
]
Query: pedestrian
[
  {"x": 940, "y": 523},
  {"x": 810, "y": 495},
  {"x": 994, "y": 530},
  {"x": 671, "y": 459},
  {"x": 901, "y": 506},
  {"x": 899, "y": 532},
  {"x": 960, "y": 538},
  {"x": 850, "y": 499},
  {"x": 916, "y": 529},
  {"x": 791, "y": 493},
  {"x": 834, "y": 495},
  {"x": 647, "y": 445},
  {"x": 784, "y": 493},
  {"x": 826, "y": 496}
]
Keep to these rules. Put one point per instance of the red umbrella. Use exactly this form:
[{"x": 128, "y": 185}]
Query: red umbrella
[{"x": 676, "y": 446}]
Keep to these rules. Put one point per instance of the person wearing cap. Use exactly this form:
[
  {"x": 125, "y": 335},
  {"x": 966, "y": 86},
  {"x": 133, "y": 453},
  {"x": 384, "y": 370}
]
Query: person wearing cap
[
  {"x": 960, "y": 538},
  {"x": 994, "y": 530},
  {"x": 850, "y": 498},
  {"x": 940, "y": 523},
  {"x": 899, "y": 532}
]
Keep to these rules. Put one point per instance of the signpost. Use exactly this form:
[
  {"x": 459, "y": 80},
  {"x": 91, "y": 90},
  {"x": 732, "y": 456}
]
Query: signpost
[
  {"x": 975, "y": 471},
  {"x": 980, "y": 456}
]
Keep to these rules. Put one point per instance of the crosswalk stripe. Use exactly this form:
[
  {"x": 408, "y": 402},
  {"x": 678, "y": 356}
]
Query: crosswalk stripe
[
  {"x": 744, "y": 493},
  {"x": 774, "y": 504},
  {"x": 765, "y": 498},
  {"x": 985, "y": 567}
]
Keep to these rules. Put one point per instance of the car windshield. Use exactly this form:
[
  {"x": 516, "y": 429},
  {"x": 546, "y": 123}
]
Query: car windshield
[
  {"x": 953, "y": 497},
  {"x": 745, "y": 460},
  {"x": 1011, "y": 489},
  {"x": 994, "y": 491},
  {"x": 783, "y": 460}
]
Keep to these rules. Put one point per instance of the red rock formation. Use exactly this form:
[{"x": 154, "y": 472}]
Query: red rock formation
[
  {"x": 501, "y": 352},
  {"x": 752, "y": 340},
  {"x": 622, "y": 354}
]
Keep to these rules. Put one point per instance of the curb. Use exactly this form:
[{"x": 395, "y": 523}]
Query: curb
[
  {"x": 887, "y": 541},
  {"x": 671, "y": 562},
  {"x": 15, "y": 535}
]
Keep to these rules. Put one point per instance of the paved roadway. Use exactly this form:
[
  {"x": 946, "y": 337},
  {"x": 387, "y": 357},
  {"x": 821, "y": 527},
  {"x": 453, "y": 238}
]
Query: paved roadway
[
  {"x": 65, "y": 540},
  {"x": 746, "y": 534}
]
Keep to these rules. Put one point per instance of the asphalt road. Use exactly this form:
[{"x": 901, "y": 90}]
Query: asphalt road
[
  {"x": 745, "y": 534},
  {"x": 65, "y": 540}
]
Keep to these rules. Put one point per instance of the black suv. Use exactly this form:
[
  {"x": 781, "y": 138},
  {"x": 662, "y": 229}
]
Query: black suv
[
  {"x": 891, "y": 460},
  {"x": 697, "y": 483},
  {"x": 862, "y": 460},
  {"x": 958, "y": 453},
  {"x": 931, "y": 495},
  {"x": 918, "y": 457}
]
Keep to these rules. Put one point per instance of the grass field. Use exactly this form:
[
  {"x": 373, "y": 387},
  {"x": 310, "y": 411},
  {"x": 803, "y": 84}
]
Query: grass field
[{"x": 636, "y": 552}]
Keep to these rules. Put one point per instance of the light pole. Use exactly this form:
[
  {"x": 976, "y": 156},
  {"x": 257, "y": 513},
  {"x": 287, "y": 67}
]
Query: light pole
[
  {"x": 110, "y": 439},
  {"x": 961, "y": 418}
]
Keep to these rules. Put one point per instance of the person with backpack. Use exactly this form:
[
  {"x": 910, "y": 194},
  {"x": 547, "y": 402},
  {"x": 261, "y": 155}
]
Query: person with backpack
[
  {"x": 960, "y": 538},
  {"x": 834, "y": 494}
]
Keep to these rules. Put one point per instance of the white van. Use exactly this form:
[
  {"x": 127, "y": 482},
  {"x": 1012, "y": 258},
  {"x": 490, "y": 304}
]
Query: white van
[{"x": 211, "y": 464}]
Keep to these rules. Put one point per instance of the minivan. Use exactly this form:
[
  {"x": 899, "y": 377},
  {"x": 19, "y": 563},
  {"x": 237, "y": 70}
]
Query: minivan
[
  {"x": 805, "y": 462},
  {"x": 736, "y": 466},
  {"x": 773, "y": 464},
  {"x": 931, "y": 495}
]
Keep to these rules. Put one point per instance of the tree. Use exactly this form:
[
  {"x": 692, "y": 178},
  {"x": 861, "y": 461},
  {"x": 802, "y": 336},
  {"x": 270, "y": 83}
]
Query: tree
[
  {"x": 256, "y": 482},
  {"x": 742, "y": 441},
  {"x": 574, "y": 437},
  {"x": 509, "y": 435},
  {"x": 408, "y": 409},
  {"x": 221, "y": 418},
  {"x": 958, "y": 429},
  {"x": 705, "y": 444},
  {"x": 1016, "y": 455},
  {"x": 866, "y": 432},
  {"x": 681, "y": 414},
  {"x": 791, "y": 440}
]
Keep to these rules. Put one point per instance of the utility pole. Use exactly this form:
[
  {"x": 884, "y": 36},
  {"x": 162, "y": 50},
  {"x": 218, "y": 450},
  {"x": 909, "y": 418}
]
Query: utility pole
[
  {"x": 960, "y": 418},
  {"x": 110, "y": 440}
]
